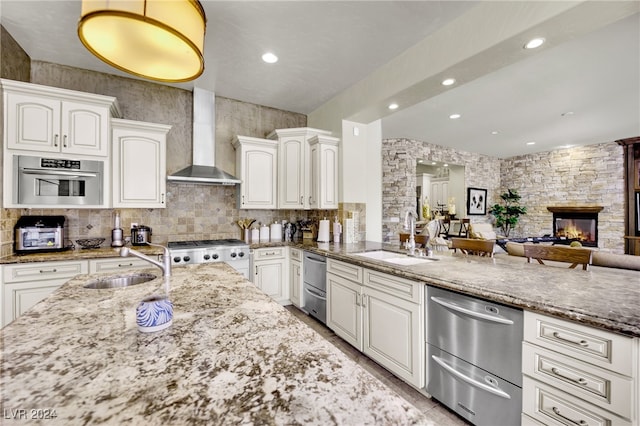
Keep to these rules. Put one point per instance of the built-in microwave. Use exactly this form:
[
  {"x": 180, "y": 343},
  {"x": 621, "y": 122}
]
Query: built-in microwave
[{"x": 57, "y": 181}]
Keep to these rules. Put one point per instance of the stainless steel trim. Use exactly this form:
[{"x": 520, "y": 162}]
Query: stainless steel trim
[
  {"x": 452, "y": 306},
  {"x": 469, "y": 380},
  {"x": 313, "y": 293},
  {"x": 44, "y": 172}
]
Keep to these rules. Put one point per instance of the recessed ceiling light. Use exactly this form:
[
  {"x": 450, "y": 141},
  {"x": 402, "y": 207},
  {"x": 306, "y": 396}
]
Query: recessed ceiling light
[
  {"x": 393, "y": 106},
  {"x": 455, "y": 116},
  {"x": 445, "y": 165},
  {"x": 531, "y": 143},
  {"x": 433, "y": 163},
  {"x": 495, "y": 132},
  {"x": 448, "y": 81},
  {"x": 565, "y": 114},
  {"x": 533, "y": 43},
  {"x": 420, "y": 161},
  {"x": 270, "y": 58}
]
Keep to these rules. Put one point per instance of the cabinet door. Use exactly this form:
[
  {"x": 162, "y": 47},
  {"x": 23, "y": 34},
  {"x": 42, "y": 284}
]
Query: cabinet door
[
  {"x": 324, "y": 177},
  {"x": 19, "y": 298},
  {"x": 271, "y": 279},
  {"x": 295, "y": 282},
  {"x": 85, "y": 129},
  {"x": 291, "y": 174},
  {"x": 259, "y": 167},
  {"x": 392, "y": 335},
  {"x": 139, "y": 167},
  {"x": 33, "y": 123},
  {"x": 344, "y": 309}
]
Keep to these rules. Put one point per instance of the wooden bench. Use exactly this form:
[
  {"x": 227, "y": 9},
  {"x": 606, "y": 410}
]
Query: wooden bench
[
  {"x": 573, "y": 255},
  {"x": 473, "y": 246}
]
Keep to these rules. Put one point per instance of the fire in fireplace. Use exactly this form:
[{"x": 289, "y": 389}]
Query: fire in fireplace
[{"x": 576, "y": 224}]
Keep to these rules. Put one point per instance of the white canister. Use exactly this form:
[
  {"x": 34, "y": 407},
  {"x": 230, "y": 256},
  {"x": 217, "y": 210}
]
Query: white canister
[
  {"x": 323, "y": 231},
  {"x": 276, "y": 231},
  {"x": 255, "y": 235},
  {"x": 264, "y": 234}
]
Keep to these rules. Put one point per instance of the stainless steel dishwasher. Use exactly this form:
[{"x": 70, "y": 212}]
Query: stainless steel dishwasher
[
  {"x": 474, "y": 357},
  {"x": 314, "y": 288}
]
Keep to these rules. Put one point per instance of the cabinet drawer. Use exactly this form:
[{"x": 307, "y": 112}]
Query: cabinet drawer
[
  {"x": 270, "y": 253},
  {"x": 593, "y": 384},
  {"x": 399, "y": 287},
  {"x": 345, "y": 270},
  {"x": 117, "y": 264},
  {"x": 43, "y": 271},
  {"x": 554, "y": 407},
  {"x": 598, "y": 347},
  {"x": 296, "y": 254}
]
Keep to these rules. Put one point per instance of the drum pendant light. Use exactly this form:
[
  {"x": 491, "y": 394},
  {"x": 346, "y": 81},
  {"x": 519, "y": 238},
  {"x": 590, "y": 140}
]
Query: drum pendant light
[{"x": 161, "y": 40}]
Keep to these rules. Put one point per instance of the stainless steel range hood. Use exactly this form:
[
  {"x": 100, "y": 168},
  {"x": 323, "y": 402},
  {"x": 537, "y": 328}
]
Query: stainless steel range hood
[{"x": 203, "y": 169}]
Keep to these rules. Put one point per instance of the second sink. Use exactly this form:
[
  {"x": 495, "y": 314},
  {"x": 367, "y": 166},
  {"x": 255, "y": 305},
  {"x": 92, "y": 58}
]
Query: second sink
[{"x": 117, "y": 281}]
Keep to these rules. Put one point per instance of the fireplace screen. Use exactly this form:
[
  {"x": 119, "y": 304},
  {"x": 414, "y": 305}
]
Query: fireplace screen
[{"x": 577, "y": 227}]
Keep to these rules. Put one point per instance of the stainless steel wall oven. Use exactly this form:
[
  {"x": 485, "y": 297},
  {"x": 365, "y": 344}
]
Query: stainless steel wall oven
[{"x": 57, "y": 181}]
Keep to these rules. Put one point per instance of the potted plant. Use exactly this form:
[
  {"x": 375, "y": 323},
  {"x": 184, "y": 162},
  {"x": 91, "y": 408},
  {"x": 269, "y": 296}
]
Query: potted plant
[{"x": 508, "y": 213}]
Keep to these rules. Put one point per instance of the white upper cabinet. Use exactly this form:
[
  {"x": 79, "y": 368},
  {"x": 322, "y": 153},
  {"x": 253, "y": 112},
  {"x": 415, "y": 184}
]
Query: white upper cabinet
[
  {"x": 301, "y": 178},
  {"x": 257, "y": 165},
  {"x": 139, "y": 164},
  {"x": 324, "y": 172},
  {"x": 46, "y": 119}
]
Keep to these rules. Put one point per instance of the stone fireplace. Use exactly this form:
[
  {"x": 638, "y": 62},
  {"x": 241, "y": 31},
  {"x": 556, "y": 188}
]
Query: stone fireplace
[{"x": 579, "y": 223}]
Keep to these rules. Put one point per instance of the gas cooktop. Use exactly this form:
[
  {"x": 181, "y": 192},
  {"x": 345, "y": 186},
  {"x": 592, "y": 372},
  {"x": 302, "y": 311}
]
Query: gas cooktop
[{"x": 228, "y": 242}]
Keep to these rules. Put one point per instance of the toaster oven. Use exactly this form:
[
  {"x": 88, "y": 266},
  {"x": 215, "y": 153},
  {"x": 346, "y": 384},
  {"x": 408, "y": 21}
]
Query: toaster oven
[{"x": 39, "y": 233}]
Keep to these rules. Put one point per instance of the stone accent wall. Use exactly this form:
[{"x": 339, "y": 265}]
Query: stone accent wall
[
  {"x": 399, "y": 157},
  {"x": 582, "y": 176},
  {"x": 590, "y": 175},
  {"x": 14, "y": 62}
]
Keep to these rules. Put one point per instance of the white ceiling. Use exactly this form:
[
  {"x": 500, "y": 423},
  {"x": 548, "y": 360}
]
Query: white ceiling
[{"x": 327, "y": 46}]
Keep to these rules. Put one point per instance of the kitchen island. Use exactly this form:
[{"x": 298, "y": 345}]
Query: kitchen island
[{"x": 231, "y": 356}]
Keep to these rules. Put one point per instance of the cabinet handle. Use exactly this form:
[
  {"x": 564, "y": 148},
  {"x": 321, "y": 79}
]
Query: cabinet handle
[
  {"x": 556, "y": 410},
  {"x": 301, "y": 199},
  {"x": 579, "y": 380},
  {"x": 256, "y": 270},
  {"x": 44, "y": 271},
  {"x": 55, "y": 140},
  {"x": 243, "y": 199},
  {"x": 309, "y": 199},
  {"x": 582, "y": 343},
  {"x": 162, "y": 198},
  {"x": 270, "y": 253},
  {"x": 452, "y": 306},
  {"x": 64, "y": 141},
  {"x": 358, "y": 300},
  {"x": 363, "y": 299},
  {"x": 120, "y": 265}
]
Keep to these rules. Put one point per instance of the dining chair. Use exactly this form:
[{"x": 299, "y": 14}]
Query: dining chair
[
  {"x": 573, "y": 255},
  {"x": 464, "y": 227},
  {"x": 420, "y": 239},
  {"x": 473, "y": 246},
  {"x": 445, "y": 226}
]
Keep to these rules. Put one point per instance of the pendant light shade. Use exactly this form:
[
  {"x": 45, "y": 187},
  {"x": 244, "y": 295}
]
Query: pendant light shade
[{"x": 161, "y": 40}]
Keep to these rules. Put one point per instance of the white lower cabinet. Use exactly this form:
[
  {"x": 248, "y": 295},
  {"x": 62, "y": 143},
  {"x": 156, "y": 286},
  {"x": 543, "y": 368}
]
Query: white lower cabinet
[
  {"x": 118, "y": 264},
  {"x": 269, "y": 273},
  {"x": 344, "y": 303},
  {"x": 578, "y": 374},
  {"x": 24, "y": 285},
  {"x": 381, "y": 315},
  {"x": 295, "y": 276}
]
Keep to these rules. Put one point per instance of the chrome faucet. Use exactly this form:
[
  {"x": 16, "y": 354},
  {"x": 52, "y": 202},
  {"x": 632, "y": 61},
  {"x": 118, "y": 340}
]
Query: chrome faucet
[
  {"x": 165, "y": 265},
  {"x": 410, "y": 225}
]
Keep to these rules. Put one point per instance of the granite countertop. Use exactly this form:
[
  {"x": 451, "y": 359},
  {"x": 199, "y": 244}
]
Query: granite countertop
[
  {"x": 75, "y": 254},
  {"x": 232, "y": 356},
  {"x": 606, "y": 298}
]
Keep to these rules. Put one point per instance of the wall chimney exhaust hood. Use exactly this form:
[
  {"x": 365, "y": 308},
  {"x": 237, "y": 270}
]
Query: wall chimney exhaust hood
[{"x": 203, "y": 169}]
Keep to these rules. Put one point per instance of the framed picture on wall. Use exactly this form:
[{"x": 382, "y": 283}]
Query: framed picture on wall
[{"x": 476, "y": 201}]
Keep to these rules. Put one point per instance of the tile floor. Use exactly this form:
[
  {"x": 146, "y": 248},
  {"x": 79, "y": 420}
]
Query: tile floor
[{"x": 436, "y": 413}]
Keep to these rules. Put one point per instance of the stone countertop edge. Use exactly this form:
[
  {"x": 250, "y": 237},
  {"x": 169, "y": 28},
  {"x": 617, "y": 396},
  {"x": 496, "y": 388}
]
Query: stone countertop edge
[
  {"x": 606, "y": 298},
  {"x": 75, "y": 254},
  {"x": 231, "y": 356}
]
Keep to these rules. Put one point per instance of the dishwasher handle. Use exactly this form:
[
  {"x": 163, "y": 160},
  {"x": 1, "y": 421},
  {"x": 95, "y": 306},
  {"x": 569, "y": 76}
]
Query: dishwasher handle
[
  {"x": 449, "y": 305},
  {"x": 314, "y": 294},
  {"x": 469, "y": 380}
]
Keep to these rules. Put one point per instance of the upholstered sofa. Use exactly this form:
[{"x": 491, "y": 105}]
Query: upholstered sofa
[{"x": 600, "y": 258}]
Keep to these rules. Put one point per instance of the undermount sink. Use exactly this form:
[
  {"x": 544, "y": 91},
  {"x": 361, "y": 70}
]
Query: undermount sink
[
  {"x": 393, "y": 257},
  {"x": 117, "y": 281}
]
